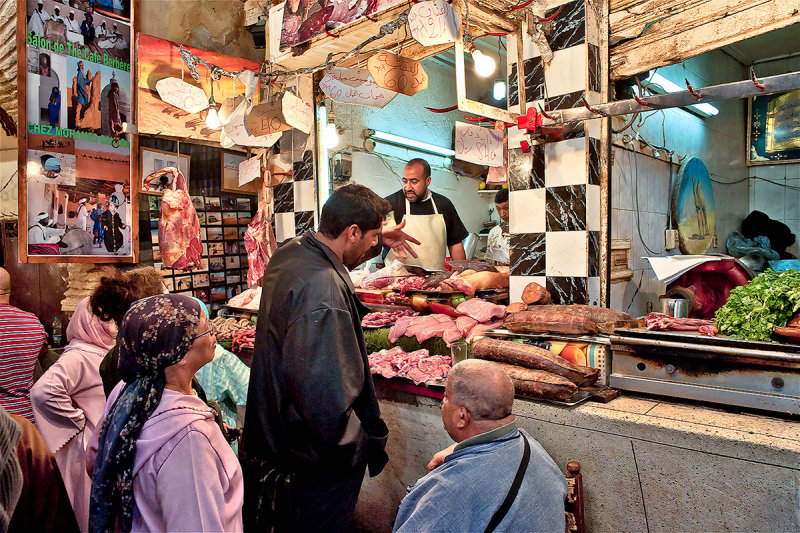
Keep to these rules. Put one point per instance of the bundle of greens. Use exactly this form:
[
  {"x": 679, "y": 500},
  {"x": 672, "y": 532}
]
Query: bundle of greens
[{"x": 754, "y": 310}]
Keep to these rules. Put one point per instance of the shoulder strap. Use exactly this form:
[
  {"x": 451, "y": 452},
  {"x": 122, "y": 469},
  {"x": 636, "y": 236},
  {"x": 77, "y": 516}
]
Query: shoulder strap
[{"x": 514, "y": 490}]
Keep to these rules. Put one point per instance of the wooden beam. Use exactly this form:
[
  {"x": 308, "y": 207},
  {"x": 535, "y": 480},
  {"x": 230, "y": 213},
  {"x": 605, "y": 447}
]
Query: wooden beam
[{"x": 703, "y": 27}]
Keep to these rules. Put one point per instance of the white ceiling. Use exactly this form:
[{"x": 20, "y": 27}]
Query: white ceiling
[{"x": 772, "y": 45}]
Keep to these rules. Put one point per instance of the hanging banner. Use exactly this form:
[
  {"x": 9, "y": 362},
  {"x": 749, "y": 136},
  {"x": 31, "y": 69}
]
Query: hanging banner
[
  {"x": 397, "y": 73},
  {"x": 158, "y": 59},
  {"x": 482, "y": 146},
  {"x": 354, "y": 86},
  {"x": 74, "y": 152},
  {"x": 434, "y": 22}
]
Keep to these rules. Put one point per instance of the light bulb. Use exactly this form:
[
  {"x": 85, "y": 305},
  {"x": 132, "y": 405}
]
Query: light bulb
[
  {"x": 499, "y": 90},
  {"x": 212, "y": 119},
  {"x": 484, "y": 65},
  {"x": 331, "y": 135}
]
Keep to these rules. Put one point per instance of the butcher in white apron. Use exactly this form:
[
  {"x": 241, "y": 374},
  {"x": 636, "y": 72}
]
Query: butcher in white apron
[{"x": 433, "y": 230}]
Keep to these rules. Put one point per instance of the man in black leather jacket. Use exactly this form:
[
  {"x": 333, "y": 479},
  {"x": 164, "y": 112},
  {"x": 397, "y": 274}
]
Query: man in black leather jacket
[{"x": 313, "y": 423}]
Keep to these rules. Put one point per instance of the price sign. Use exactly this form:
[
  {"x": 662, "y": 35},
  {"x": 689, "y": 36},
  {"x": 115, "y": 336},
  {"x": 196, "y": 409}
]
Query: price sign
[
  {"x": 249, "y": 169},
  {"x": 182, "y": 95},
  {"x": 297, "y": 113},
  {"x": 434, "y": 22},
  {"x": 397, "y": 73},
  {"x": 482, "y": 146},
  {"x": 355, "y": 86},
  {"x": 236, "y": 131}
]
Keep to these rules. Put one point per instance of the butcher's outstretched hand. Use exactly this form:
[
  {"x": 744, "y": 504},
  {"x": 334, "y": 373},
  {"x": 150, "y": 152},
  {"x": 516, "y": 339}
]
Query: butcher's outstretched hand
[
  {"x": 395, "y": 238},
  {"x": 439, "y": 457}
]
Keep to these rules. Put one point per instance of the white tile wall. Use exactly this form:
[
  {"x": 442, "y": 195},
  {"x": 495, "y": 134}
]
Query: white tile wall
[
  {"x": 527, "y": 211},
  {"x": 563, "y": 73},
  {"x": 593, "y": 207},
  {"x": 304, "y": 195},
  {"x": 566, "y": 253},
  {"x": 284, "y": 226},
  {"x": 565, "y": 163}
]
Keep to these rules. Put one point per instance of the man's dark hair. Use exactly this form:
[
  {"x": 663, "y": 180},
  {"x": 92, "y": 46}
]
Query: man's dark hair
[
  {"x": 352, "y": 204},
  {"x": 501, "y": 197},
  {"x": 426, "y": 168}
]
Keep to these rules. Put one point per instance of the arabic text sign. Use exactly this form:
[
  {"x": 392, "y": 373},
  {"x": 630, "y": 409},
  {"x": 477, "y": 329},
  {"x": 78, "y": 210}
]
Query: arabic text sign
[
  {"x": 249, "y": 169},
  {"x": 482, "y": 146},
  {"x": 354, "y": 86},
  {"x": 182, "y": 95},
  {"x": 397, "y": 73},
  {"x": 266, "y": 119},
  {"x": 433, "y": 23},
  {"x": 297, "y": 113}
]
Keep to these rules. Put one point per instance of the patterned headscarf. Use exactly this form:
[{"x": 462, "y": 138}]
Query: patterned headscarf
[{"x": 155, "y": 333}]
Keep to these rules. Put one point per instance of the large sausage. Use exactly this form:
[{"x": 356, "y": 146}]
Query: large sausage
[
  {"x": 539, "y": 383},
  {"x": 533, "y": 357},
  {"x": 541, "y": 319},
  {"x": 535, "y": 294}
]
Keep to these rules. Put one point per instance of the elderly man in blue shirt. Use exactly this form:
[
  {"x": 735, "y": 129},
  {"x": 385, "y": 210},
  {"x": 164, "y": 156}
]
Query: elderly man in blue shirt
[{"x": 496, "y": 477}]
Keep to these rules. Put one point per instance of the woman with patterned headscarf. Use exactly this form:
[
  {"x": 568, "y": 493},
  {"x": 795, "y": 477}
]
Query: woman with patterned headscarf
[{"x": 162, "y": 463}]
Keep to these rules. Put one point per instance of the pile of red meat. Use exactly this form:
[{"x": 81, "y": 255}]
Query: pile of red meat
[
  {"x": 382, "y": 319},
  {"x": 411, "y": 283},
  {"x": 418, "y": 366},
  {"x": 476, "y": 316},
  {"x": 660, "y": 321}
]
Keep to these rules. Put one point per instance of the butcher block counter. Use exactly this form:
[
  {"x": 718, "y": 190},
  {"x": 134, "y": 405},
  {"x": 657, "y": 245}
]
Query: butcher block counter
[{"x": 647, "y": 464}]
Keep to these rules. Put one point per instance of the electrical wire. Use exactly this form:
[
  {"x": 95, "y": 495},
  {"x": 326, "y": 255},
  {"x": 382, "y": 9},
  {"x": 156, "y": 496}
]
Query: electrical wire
[
  {"x": 9, "y": 180},
  {"x": 638, "y": 214}
]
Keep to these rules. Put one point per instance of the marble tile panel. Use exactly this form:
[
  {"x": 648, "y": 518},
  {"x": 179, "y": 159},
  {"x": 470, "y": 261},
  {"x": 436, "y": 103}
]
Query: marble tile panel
[
  {"x": 304, "y": 169},
  {"x": 566, "y": 253},
  {"x": 534, "y": 79},
  {"x": 527, "y": 211},
  {"x": 593, "y": 126},
  {"x": 565, "y": 163},
  {"x": 303, "y": 221},
  {"x": 593, "y": 291},
  {"x": 284, "y": 226},
  {"x": 513, "y": 87},
  {"x": 568, "y": 27},
  {"x": 567, "y": 72},
  {"x": 528, "y": 254},
  {"x": 515, "y": 136},
  {"x": 594, "y": 67},
  {"x": 564, "y": 101},
  {"x": 566, "y": 208},
  {"x": 594, "y": 161},
  {"x": 593, "y": 207},
  {"x": 567, "y": 290},
  {"x": 304, "y": 199},
  {"x": 284, "y": 197},
  {"x": 526, "y": 170},
  {"x": 593, "y": 253}
]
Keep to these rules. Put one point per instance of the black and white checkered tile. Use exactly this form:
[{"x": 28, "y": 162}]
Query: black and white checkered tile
[
  {"x": 555, "y": 187},
  {"x": 295, "y": 200}
]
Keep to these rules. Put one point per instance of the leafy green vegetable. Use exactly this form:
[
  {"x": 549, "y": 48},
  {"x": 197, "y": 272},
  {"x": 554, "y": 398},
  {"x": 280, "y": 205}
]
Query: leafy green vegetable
[{"x": 754, "y": 310}]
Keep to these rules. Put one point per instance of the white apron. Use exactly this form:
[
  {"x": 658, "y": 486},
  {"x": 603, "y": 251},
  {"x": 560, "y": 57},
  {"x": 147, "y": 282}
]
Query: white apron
[{"x": 431, "y": 231}]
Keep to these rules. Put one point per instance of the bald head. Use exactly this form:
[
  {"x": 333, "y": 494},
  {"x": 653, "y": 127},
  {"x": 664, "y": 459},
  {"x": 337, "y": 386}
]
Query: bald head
[
  {"x": 482, "y": 387},
  {"x": 5, "y": 286}
]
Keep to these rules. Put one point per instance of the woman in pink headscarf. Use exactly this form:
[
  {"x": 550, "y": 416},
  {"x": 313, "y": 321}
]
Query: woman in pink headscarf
[{"x": 68, "y": 402}]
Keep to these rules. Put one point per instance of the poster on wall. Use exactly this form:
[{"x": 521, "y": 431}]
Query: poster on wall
[
  {"x": 158, "y": 59},
  {"x": 75, "y": 157},
  {"x": 774, "y": 129}
]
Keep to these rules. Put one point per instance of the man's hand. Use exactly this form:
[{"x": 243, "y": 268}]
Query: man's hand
[
  {"x": 395, "y": 238},
  {"x": 438, "y": 458}
]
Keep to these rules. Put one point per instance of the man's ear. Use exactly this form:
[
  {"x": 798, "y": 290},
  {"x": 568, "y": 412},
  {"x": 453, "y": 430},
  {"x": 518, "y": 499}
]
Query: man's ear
[
  {"x": 427, "y": 181},
  {"x": 352, "y": 232},
  {"x": 464, "y": 418}
]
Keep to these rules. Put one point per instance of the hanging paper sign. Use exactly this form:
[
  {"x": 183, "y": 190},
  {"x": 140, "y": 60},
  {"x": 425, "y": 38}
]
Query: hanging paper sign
[
  {"x": 397, "y": 73},
  {"x": 267, "y": 119},
  {"x": 249, "y": 169},
  {"x": 297, "y": 113},
  {"x": 182, "y": 95},
  {"x": 434, "y": 22},
  {"x": 236, "y": 131},
  {"x": 229, "y": 105},
  {"x": 479, "y": 145},
  {"x": 338, "y": 86}
]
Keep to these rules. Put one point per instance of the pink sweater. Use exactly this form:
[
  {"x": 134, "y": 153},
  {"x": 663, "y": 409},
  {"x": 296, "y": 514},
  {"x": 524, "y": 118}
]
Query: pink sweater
[{"x": 185, "y": 475}]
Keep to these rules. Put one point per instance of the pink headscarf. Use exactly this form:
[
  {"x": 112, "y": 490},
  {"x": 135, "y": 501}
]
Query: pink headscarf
[{"x": 85, "y": 326}]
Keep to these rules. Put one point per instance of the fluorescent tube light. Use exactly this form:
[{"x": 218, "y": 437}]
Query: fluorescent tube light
[
  {"x": 323, "y": 164},
  {"x": 659, "y": 84},
  {"x": 411, "y": 143}
]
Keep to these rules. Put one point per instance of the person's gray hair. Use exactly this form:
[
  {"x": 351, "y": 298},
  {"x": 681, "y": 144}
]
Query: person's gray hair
[{"x": 483, "y": 387}]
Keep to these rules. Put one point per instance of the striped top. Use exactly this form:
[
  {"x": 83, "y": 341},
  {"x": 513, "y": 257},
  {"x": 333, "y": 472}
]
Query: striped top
[{"x": 21, "y": 339}]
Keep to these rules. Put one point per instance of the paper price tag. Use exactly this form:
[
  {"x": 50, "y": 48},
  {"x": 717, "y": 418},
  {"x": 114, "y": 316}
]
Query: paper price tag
[
  {"x": 182, "y": 95},
  {"x": 249, "y": 169},
  {"x": 397, "y": 73},
  {"x": 434, "y": 22},
  {"x": 482, "y": 146},
  {"x": 355, "y": 86}
]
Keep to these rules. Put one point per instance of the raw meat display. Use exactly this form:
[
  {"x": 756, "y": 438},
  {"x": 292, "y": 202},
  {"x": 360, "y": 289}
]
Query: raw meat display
[
  {"x": 408, "y": 284},
  {"x": 538, "y": 383},
  {"x": 662, "y": 322},
  {"x": 533, "y": 357},
  {"x": 481, "y": 310},
  {"x": 386, "y": 318},
  {"x": 480, "y": 329},
  {"x": 419, "y": 366},
  {"x": 226, "y": 328},
  {"x": 178, "y": 225},
  {"x": 516, "y": 307},
  {"x": 259, "y": 239},
  {"x": 542, "y": 320},
  {"x": 249, "y": 299},
  {"x": 465, "y": 324},
  {"x": 376, "y": 283},
  {"x": 535, "y": 294},
  {"x": 244, "y": 340}
]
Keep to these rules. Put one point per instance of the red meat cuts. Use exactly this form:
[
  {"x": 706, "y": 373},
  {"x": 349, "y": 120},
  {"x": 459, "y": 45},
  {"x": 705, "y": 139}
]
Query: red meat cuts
[
  {"x": 465, "y": 324},
  {"x": 425, "y": 327},
  {"x": 410, "y": 283},
  {"x": 259, "y": 239},
  {"x": 662, "y": 322},
  {"x": 480, "y": 310},
  {"x": 418, "y": 366},
  {"x": 382, "y": 319},
  {"x": 399, "y": 329},
  {"x": 178, "y": 226},
  {"x": 481, "y": 329}
]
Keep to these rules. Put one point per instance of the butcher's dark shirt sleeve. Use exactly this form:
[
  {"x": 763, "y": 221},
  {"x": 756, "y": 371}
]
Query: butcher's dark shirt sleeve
[{"x": 324, "y": 372}]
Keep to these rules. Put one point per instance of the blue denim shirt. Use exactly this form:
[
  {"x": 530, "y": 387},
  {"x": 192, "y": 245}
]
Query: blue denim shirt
[{"x": 464, "y": 492}]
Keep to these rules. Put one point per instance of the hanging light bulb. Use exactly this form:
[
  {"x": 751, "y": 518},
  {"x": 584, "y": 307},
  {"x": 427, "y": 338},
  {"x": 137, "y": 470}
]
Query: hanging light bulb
[
  {"x": 331, "y": 135},
  {"x": 499, "y": 89},
  {"x": 212, "y": 118},
  {"x": 484, "y": 65}
]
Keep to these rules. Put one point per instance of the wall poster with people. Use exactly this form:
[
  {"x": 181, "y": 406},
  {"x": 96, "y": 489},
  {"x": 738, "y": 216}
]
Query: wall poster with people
[{"x": 75, "y": 153}]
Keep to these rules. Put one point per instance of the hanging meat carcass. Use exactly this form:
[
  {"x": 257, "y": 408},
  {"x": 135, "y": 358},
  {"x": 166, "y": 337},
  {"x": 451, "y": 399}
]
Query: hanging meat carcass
[
  {"x": 178, "y": 226},
  {"x": 259, "y": 239}
]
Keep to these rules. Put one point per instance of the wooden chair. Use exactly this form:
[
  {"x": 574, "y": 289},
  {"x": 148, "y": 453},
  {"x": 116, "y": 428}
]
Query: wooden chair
[{"x": 573, "y": 506}]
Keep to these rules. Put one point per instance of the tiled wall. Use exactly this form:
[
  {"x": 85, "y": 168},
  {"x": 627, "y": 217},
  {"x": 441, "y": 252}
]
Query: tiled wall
[{"x": 555, "y": 188}]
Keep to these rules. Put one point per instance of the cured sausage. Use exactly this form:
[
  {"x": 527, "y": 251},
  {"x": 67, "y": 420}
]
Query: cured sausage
[
  {"x": 533, "y": 357},
  {"x": 535, "y": 294},
  {"x": 538, "y": 383},
  {"x": 540, "y": 319}
]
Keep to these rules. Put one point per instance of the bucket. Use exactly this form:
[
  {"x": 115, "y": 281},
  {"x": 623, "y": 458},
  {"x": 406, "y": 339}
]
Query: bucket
[{"x": 675, "y": 307}]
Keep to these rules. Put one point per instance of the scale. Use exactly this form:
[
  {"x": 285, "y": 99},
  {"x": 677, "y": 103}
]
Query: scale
[{"x": 757, "y": 375}]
